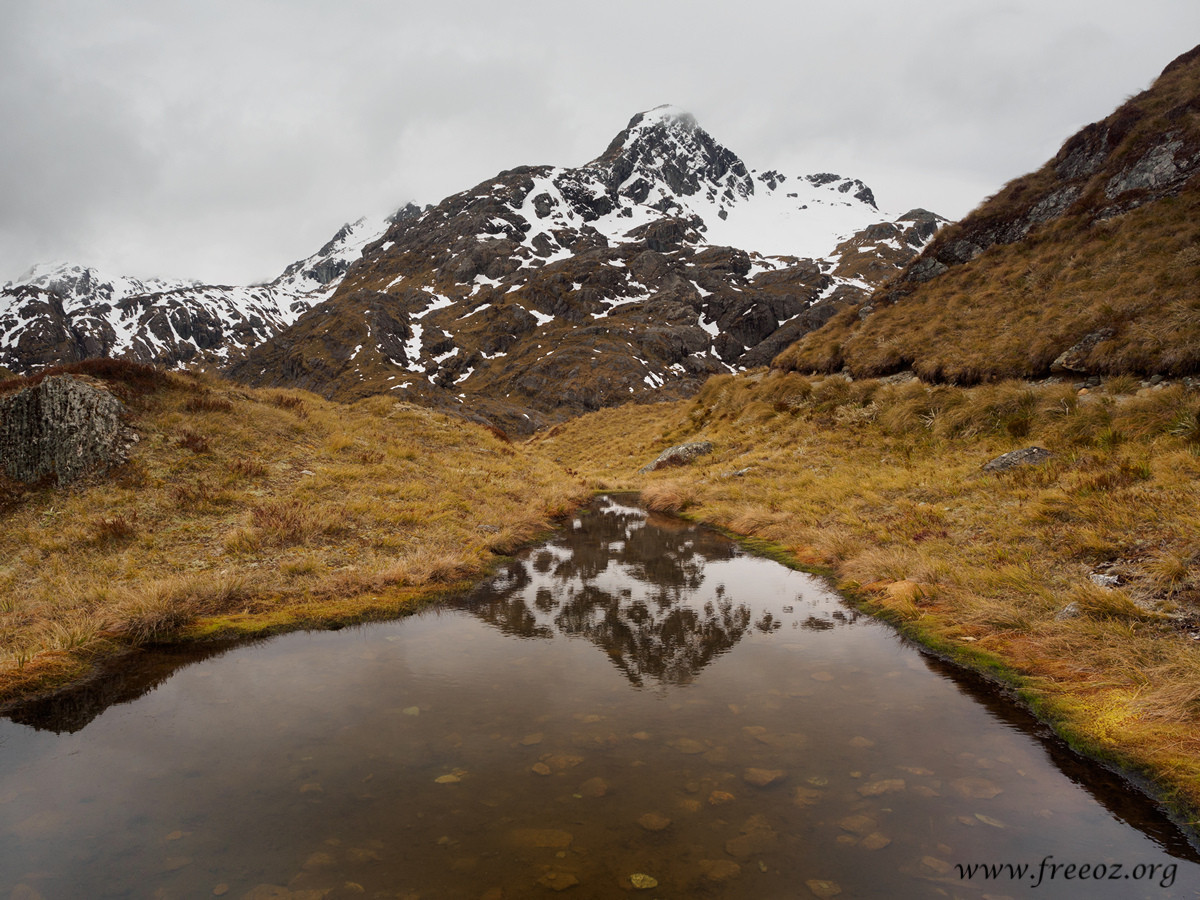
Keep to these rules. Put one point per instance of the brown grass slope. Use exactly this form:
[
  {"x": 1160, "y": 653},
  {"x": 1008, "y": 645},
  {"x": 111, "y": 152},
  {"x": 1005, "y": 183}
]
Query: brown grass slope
[
  {"x": 1103, "y": 240},
  {"x": 242, "y": 511},
  {"x": 881, "y": 484}
]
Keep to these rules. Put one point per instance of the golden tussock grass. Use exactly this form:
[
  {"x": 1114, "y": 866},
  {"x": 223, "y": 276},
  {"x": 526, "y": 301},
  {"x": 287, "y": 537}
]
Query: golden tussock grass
[
  {"x": 243, "y": 509},
  {"x": 882, "y": 483}
]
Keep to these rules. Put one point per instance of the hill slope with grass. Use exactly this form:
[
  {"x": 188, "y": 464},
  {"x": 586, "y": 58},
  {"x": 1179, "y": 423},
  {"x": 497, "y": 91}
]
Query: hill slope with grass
[
  {"x": 1075, "y": 583},
  {"x": 241, "y": 511},
  {"x": 1088, "y": 266}
]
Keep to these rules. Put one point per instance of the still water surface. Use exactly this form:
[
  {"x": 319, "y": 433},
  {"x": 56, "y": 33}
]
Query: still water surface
[{"x": 635, "y": 708}]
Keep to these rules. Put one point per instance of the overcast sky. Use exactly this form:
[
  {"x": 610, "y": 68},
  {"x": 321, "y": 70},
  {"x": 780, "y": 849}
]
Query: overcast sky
[{"x": 222, "y": 139}]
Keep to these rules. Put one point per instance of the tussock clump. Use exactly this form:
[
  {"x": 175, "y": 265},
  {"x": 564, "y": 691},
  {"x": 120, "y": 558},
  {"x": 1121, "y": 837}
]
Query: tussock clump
[
  {"x": 247, "y": 468},
  {"x": 208, "y": 403},
  {"x": 118, "y": 528},
  {"x": 161, "y": 607},
  {"x": 295, "y": 521},
  {"x": 668, "y": 496},
  {"x": 291, "y": 403},
  {"x": 194, "y": 441},
  {"x": 1106, "y": 603}
]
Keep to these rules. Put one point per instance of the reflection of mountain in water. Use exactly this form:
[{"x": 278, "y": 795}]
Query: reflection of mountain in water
[{"x": 627, "y": 583}]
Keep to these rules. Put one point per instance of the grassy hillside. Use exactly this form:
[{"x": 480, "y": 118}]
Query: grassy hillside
[
  {"x": 1104, "y": 240},
  {"x": 247, "y": 510},
  {"x": 881, "y": 485}
]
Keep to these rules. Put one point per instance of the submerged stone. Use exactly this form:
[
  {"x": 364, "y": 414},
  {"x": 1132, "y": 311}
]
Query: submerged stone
[
  {"x": 763, "y": 777},
  {"x": 823, "y": 889},
  {"x": 542, "y": 838},
  {"x": 654, "y": 822},
  {"x": 719, "y": 870}
]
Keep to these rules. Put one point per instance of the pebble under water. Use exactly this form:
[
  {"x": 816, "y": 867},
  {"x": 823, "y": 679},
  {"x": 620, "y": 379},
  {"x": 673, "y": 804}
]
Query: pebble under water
[{"x": 636, "y": 707}]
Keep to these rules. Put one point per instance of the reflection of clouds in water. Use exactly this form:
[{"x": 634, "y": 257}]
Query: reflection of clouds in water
[{"x": 630, "y": 589}]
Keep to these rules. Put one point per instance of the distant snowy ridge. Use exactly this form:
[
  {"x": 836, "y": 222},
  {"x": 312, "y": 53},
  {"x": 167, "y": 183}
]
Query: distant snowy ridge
[{"x": 60, "y": 312}]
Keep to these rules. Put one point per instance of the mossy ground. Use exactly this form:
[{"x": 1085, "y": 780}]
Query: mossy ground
[
  {"x": 881, "y": 485},
  {"x": 243, "y": 511}
]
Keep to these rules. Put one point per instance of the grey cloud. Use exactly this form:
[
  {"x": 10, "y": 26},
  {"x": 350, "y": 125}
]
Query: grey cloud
[{"x": 222, "y": 140}]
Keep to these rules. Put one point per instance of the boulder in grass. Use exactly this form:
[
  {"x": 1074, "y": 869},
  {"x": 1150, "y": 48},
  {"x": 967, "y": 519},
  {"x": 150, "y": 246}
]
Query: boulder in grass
[
  {"x": 679, "y": 455},
  {"x": 62, "y": 428},
  {"x": 1029, "y": 456}
]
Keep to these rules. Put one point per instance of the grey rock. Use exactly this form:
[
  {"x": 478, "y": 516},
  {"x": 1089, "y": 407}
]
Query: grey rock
[
  {"x": 1156, "y": 169},
  {"x": 1105, "y": 581},
  {"x": 1070, "y": 611},
  {"x": 679, "y": 455},
  {"x": 1074, "y": 359},
  {"x": 63, "y": 428},
  {"x": 1029, "y": 456}
]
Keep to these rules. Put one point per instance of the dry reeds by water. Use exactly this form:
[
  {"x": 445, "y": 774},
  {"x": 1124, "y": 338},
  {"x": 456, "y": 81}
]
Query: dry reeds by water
[
  {"x": 243, "y": 510},
  {"x": 1077, "y": 581}
]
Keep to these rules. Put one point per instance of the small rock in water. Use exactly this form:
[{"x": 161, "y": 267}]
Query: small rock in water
[
  {"x": 448, "y": 779},
  {"x": 220, "y": 890},
  {"x": 861, "y": 743},
  {"x": 876, "y": 841},
  {"x": 594, "y": 788},
  {"x": 936, "y": 865},
  {"x": 531, "y": 740},
  {"x": 976, "y": 788},
  {"x": 542, "y": 838},
  {"x": 885, "y": 786},
  {"x": 558, "y": 881},
  {"x": 318, "y": 861},
  {"x": 654, "y": 822},
  {"x": 643, "y": 882},
  {"x": 689, "y": 746},
  {"x": 412, "y": 710},
  {"x": 540, "y": 768},
  {"x": 858, "y": 824},
  {"x": 763, "y": 777},
  {"x": 806, "y": 796},
  {"x": 823, "y": 889},
  {"x": 174, "y": 835},
  {"x": 822, "y": 676},
  {"x": 716, "y": 798},
  {"x": 720, "y": 870}
]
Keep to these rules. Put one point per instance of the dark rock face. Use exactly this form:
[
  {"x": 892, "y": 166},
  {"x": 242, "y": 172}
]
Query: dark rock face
[
  {"x": 1105, "y": 169},
  {"x": 63, "y": 428}
]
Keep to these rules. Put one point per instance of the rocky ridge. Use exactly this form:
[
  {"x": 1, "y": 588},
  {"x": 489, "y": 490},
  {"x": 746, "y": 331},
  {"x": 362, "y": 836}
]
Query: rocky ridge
[{"x": 1086, "y": 266}]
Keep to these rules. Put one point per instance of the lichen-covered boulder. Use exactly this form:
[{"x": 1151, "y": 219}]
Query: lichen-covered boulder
[{"x": 62, "y": 428}]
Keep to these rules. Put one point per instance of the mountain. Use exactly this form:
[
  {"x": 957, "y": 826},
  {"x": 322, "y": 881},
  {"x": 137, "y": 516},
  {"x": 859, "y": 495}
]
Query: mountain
[
  {"x": 63, "y": 313},
  {"x": 1087, "y": 266},
  {"x": 547, "y": 291}
]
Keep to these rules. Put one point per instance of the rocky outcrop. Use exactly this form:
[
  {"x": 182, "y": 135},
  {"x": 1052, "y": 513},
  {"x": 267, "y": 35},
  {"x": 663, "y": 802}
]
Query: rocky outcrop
[
  {"x": 679, "y": 455},
  {"x": 62, "y": 428},
  {"x": 1029, "y": 456}
]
